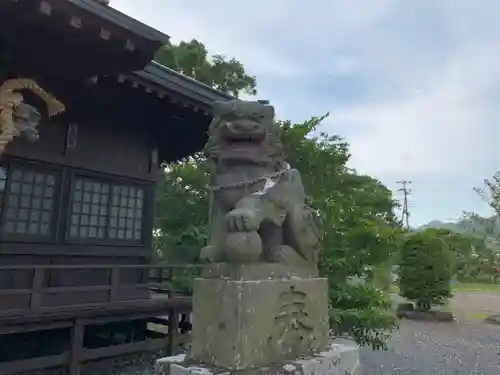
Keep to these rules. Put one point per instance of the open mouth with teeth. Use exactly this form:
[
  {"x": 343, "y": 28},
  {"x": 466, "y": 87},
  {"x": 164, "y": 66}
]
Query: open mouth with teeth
[{"x": 243, "y": 139}]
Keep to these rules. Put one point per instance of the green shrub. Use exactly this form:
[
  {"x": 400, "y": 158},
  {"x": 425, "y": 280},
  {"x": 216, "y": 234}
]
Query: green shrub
[{"x": 425, "y": 270}]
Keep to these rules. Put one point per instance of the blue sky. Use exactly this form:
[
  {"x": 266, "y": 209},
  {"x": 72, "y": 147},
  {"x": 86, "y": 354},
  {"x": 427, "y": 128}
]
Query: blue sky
[{"x": 413, "y": 86}]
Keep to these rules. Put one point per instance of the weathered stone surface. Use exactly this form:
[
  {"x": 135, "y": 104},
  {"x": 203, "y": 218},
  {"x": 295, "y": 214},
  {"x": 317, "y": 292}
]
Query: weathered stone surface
[
  {"x": 256, "y": 271},
  {"x": 257, "y": 206},
  {"x": 338, "y": 359},
  {"x": 241, "y": 324},
  {"x": 493, "y": 319}
]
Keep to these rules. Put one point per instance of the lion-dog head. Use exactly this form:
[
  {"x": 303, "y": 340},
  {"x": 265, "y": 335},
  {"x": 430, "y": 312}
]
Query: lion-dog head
[{"x": 244, "y": 133}]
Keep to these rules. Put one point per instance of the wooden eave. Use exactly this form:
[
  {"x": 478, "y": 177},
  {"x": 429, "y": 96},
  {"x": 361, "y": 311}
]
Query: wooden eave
[
  {"x": 148, "y": 34},
  {"x": 122, "y": 20},
  {"x": 165, "y": 83},
  {"x": 113, "y": 41},
  {"x": 178, "y": 108}
]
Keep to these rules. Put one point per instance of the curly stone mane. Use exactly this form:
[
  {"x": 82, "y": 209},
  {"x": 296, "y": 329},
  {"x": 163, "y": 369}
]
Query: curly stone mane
[{"x": 250, "y": 114}]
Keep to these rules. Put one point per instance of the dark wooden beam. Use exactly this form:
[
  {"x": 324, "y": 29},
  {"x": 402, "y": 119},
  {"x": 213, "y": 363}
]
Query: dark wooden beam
[
  {"x": 67, "y": 43},
  {"x": 27, "y": 365},
  {"x": 68, "y": 59},
  {"x": 115, "y": 350},
  {"x": 181, "y": 102},
  {"x": 76, "y": 350},
  {"x": 179, "y": 130}
]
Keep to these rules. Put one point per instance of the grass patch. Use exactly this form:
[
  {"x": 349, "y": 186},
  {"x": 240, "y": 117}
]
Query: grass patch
[
  {"x": 463, "y": 287},
  {"x": 477, "y": 316},
  {"x": 476, "y": 287}
]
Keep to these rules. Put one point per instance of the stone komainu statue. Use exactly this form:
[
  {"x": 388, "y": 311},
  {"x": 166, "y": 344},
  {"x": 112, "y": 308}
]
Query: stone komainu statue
[{"x": 257, "y": 206}]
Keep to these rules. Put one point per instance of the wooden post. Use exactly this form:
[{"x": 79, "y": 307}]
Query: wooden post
[
  {"x": 37, "y": 288},
  {"x": 76, "y": 348},
  {"x": 159, "y": 271},
  {"x": 173, "y": 331},
  {"x": 115, "y": 284},
  {"x": 170, "y": 276}
]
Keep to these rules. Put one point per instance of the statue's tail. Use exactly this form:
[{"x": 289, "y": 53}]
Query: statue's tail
[{"x": 303, "y": 231}]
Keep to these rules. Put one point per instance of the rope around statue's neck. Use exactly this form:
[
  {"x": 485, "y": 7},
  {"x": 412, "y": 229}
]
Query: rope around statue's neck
[{"x": 246, "y": 183}]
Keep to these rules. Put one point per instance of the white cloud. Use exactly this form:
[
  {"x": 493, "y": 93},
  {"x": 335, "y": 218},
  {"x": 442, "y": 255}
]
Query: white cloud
[
  {"x": 216, "y": 25},
  {"x": 262, "y": 35},
  {"x": 343, "y": 65},
  {"x": 442, "y": 128}
]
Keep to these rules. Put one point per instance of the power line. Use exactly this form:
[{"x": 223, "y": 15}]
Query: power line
[{"x": 405, "y": 217}]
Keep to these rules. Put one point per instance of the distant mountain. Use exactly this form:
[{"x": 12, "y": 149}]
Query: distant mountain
[
  {"x": 455, "y": 227},
  {"x": 463, "y": 226},
  {"x": 476, "y": 227}
]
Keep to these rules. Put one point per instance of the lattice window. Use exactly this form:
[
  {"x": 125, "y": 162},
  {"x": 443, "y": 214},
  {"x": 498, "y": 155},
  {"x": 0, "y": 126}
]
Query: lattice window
[
  {"x": 89, "y": 215},
  {"x": 30, "y": 202},
  {"x": 106, "y": 211},
  {"x": 126, "y": 213}
]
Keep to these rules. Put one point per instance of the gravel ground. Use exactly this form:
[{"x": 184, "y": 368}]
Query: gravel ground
[{"x": 465, "y": 347}]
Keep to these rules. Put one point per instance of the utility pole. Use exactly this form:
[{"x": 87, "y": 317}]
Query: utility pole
[{"x": 405, "y": 217}]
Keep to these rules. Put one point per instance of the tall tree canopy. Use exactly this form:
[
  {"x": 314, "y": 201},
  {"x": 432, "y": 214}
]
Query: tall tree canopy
[
  {"x": 489, "y": 258},
  {"x": 191, "y": 59},
  {"x": 470, "y": 252}
]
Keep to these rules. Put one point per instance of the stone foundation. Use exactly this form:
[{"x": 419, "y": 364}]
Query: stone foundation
[
  {"x": 261, "y": 319},
  {"x": 341, "y": 358},
  {"x": 242, "y": 324}
]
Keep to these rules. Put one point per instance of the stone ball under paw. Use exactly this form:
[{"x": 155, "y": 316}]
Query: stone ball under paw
[{"x": 243, "y": 247}]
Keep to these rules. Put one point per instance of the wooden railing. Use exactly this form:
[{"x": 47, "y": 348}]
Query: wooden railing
[
  {"x": 167, "y": 311},
  {"x": 32, "y": 299}
]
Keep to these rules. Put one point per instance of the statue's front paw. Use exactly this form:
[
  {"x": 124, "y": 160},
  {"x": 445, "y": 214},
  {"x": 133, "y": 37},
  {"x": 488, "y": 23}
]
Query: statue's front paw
[
  {"x": 240, "y": 220},
  {"x": 209, "y": 254}
]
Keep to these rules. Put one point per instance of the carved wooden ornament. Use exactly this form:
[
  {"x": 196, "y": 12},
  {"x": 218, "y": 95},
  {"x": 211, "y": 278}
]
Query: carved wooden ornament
[{"x": 17, "y": 117}]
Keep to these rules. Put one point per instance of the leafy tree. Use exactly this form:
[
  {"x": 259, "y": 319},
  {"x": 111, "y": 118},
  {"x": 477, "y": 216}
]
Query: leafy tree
[
  {"x": 486, "y": 263},
  {"x": 361, "y": 231},
  {"x": 191, "y": 59},
  {"x": 470, "y": 252},
  {"x": 425, "y": 269},
  {"x": 181, "y": 212},
  {"x": 490, "y": 192},
  {"x": 357, "y": 211},
  {"x": 488, "y": 229}
]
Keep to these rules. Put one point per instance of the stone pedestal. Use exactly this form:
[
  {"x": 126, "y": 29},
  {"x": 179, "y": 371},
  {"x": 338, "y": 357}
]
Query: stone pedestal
[
  {"x": 262, "y": 319},
  {"x": 341, "y": 357},
  {"x": 242, "y": 320}
]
